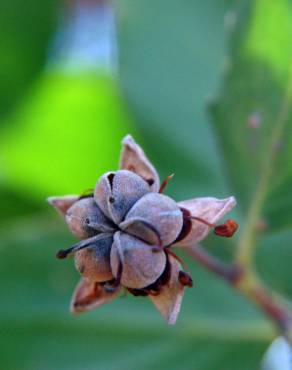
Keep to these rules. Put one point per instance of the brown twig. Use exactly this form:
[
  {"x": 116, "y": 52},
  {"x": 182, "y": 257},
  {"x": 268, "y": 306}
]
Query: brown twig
[
  {"x": 228, "y": 272},
  {"x": 246, "y": 282}
]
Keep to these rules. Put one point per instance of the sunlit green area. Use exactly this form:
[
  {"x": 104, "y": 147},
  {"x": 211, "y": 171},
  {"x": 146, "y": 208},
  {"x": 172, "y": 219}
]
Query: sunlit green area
[{"x": 201, "y": 85}]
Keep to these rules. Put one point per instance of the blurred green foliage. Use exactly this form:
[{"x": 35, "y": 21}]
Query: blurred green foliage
[
  {"x": 253, "y": 124},
  {"x": 51, "y": 147},
  {"x": 26, "y": 29},
  {"x": 66, "y": 131}
]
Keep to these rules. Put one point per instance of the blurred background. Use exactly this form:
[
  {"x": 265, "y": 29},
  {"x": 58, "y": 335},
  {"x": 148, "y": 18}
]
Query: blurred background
[{"x": 199, "y": 84}]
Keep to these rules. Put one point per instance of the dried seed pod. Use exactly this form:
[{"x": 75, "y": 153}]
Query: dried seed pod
[
  {"x": 127, "y": 229},
  {"x": 85, "y": 219},
  {"x": 116, "y": 192},
  {"x": 141, "y": 266},
  {"x": 154, "y": 213},
  {"x": 93, "y": 262}
]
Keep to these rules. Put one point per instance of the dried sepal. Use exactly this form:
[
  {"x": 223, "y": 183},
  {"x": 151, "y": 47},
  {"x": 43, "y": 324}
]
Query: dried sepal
[
  {"x": 141, "y": 263},
  {"x": 116, "y": 192},
  {"x": 89, "y": 295},
  {"x": 154, "y": 213},
  {"x": 209, "y": 209},
  {"x": 134, "y": 159},
  {"x": 168, "y": 301},
  {"x": 63, "y": 203},
  {"x": 93, "y": 262},
  {"x": 85, "y": 219}
]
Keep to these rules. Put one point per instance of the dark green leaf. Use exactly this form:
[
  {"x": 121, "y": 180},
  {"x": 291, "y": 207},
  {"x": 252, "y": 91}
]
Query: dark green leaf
[
  {"x": 252, "y": 120},
  {"x": 26, "y": 30},
  {"x": 38, "y": 332}
]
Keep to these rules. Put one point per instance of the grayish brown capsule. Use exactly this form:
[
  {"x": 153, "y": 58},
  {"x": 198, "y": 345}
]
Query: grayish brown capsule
[
  {"x": 93, "y": 262},
  {"x": 140, "y": 264},
  {"x": 85, "y": 219},
  {"x": 127, "y": 230},
  {"x": 116, "y": 192},
  {"x": 154, "y": 213}
]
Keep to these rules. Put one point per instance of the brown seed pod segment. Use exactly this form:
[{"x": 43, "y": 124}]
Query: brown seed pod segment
[
  {"x": 93, "y": 263},
  {"x": 169, "y": 299},
  {"x": 209, "y": 209},
  {"x": 63, "y": 203},
  {"x": 89, "y": 295},
  {"x": 85, "y": 219},
  {"x": 116, "y": 192},
  {"x": 154, "y": 212},
  {"x": 141, "y": 266},
  {"x": 134, "y": 159}
]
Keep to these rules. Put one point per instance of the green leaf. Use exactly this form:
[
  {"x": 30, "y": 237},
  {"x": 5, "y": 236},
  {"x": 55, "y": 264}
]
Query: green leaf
[
  {"x": 26, "y": 29},
  {"x": 170, "y": 57},
  {"x": 65, "y": 135},
  {"x": 126, "y": 334},
  {"x": 169, "y": 68},
  {"x": 252, "y": 120},
  {"x": 252, "y": 113}
]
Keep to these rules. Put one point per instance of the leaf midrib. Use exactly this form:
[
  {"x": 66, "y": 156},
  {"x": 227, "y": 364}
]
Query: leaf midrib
[{"x": 247, "y": 240}]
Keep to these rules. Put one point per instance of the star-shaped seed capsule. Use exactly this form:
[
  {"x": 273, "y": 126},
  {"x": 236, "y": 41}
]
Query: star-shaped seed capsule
[{"x": 128, "y": 229}]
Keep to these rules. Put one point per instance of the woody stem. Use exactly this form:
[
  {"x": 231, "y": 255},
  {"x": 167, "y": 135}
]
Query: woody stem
[
  {"x": 226, "y": 271},
  {"x": 249, "y": 285}
]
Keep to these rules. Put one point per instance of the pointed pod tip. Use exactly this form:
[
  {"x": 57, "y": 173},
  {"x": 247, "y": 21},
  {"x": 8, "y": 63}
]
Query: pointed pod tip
[
  {"x": 171, "y": 321},
  {"x": 62, "y": 203},
  {"x": 61, "y": 254},
  {"x": 128, "y": 139},
  {"x": 51, "y": 200},
  {"x": 75, "y": 309},
  {"x": 232, "y": 201}
]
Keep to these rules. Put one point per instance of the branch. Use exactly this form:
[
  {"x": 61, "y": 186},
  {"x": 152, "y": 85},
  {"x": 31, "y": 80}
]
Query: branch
[
  {"x": 228, "y": 272},
  {"x": 248, "y": 284}
]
